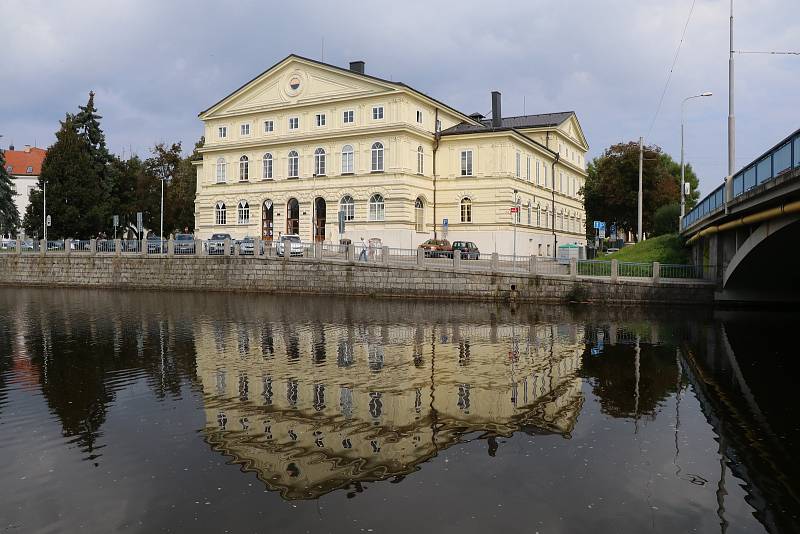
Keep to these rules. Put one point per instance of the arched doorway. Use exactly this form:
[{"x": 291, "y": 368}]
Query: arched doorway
[
  {"x": 320, "y": 208},
  {"x": 293, "y": 216},
  {"x": 267, "y": 220}
]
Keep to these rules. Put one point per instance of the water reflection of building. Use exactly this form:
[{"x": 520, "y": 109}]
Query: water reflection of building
[{"x": 316, "y": 407}]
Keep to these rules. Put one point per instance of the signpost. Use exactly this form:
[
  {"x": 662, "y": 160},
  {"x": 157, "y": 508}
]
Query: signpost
[
  {"x": 115, "y": 219},
  {"x": 49, "y": 221},
  {"x": 139, "y": 225}
]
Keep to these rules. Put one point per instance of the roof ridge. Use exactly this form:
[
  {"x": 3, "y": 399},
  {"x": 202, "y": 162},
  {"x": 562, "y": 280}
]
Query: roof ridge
[{"x": 539, "y": 114}]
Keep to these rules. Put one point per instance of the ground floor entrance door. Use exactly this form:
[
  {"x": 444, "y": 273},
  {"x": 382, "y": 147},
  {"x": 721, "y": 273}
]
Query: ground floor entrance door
[
  {"x": 319, "y": 219},
  {"x": 267, "y": 221},
  {"x": 293, "y": 216}
]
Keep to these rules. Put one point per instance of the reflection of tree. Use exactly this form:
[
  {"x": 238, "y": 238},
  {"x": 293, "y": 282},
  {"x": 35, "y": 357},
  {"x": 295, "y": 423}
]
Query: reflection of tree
[{"x": 613, "y": 378}]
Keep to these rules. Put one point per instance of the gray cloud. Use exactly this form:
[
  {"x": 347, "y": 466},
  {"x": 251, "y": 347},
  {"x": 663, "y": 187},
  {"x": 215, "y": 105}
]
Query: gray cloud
[{"x": 155, "y": 65}]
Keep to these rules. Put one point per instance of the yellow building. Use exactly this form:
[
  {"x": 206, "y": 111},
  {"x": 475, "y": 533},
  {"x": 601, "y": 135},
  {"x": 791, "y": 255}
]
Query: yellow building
[
  {"x": 305, "y": 141},
  {"x": 311, "y": 407}
]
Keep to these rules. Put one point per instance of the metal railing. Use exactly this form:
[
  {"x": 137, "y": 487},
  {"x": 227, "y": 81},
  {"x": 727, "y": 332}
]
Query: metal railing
[
  {"x": 321, "y": 251},
  {"x": 780, "y": 159}
]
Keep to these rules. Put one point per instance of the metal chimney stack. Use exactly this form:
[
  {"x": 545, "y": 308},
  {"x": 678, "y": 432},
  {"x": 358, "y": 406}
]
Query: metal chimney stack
[{"x": 497, "y": 114}]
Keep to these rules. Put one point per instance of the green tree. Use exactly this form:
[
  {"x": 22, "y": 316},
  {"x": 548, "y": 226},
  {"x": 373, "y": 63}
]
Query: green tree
[
  {"x": 612, "y": 185},
  {"x": 124, "y": 179},
  {"x": 665, "y": 219},
  {"x": 77, "y": 197},
  {"x": 674, "y": 168},
  {"x": 87, "y": 122},
  {"x": 182, "y": 191},
  {"x": 9, "y": 215}
]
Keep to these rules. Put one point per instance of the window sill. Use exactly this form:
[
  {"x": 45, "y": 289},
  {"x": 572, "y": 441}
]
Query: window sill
[
  {"x": 268, "y": 179},
  {"x": 292, "y": 177},
  {"x": 376, "y": 172}
]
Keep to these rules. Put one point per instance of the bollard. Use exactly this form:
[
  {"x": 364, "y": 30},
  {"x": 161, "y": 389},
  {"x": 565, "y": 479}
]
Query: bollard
[
  {"x": 614, "y": 270},
  {"x": 67, "y": 246},
  {"x": 226, "y": 248},
  {"x": 42, "y": 247},
  {"x": 257, "y": 248},
  {"x": 495, "y": 261},
  {"x": 533, "y": 265},
  {"x": 573, "y": 268},
  {"x": 350, "y": 252},
  {"x": 170, "y": 247},
  {"x": 385, "y": 255},
  {"x": 420, "y": 256},
  {"x": 656, "y": 272},
  {"x": 117, "y": 247},
  {"x": 456, "y": 259},
  {"x": 93, "y": 246}
]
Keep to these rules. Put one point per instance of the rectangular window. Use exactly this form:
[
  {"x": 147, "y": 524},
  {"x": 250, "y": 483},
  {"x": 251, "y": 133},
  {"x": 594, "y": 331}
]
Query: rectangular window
[
  {"x": 222, "y": 132},
  {"x": 320, "y": 119},
  {"x": 349, "y": 116},
  {"x": 269, "y": 126},
  {"x": 419, "y": 116},
  {"x": 537, "y": 173},
  {"x": 347, "y": 161},
  {"x": 528, "y": 171},
  {"x": 518, "y": 171},
  {"x": 294, "y": 123},
  {"x": 466, "y": 163},
  {"x": 377, "y": 113},
  {"x": 244, "y": 129}
]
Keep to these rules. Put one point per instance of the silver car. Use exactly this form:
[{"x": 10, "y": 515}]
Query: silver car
[{"x": 292, "y": 241}]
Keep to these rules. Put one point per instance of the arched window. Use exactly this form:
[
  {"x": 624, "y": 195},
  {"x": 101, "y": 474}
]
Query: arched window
[
  {"x": 294, "y": 164},
  {"x": 347, "y": 159},
  {"x": 221, "y": 170},
  {"x": 267, "y": 166},
  {"x": 538, "y": 216},
  {"x": 348, "y": 207},
  {"x": 377, "y": 157},
  {"x": 244, "y": 169},
  {"x": 244, "y": 212},
  {"x": 466, "y": 210},
  {"x": 420, "y": 160},
  {"x": 376, "y": 208},
  {"x": 319, "y": 162},
  {"x": 220, "y": 213},
  {"x": 419, "y": 214}
]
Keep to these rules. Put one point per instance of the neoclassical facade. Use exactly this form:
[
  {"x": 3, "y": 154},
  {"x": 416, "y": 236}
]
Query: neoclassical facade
[{"x": 306, "y": 144}]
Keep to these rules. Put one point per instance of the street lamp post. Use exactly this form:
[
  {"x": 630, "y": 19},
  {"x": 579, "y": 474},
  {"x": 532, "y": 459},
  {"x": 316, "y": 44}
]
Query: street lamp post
[
  {"x": 683, "y": 195},
  {"x": 164, "y": 176}
]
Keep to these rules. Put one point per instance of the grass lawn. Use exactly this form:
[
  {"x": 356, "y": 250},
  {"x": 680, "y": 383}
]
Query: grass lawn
[{"x": 663, "y": 249}]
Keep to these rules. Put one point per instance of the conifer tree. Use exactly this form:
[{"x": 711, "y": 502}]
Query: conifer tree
[
  {"x": 9, "y": 215},
  {"x": 87, "y": 122}
]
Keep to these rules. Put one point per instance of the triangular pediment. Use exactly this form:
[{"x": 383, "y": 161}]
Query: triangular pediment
[
  {"x": 297, "y": 81},
  {"x": 573, "y": 129}
]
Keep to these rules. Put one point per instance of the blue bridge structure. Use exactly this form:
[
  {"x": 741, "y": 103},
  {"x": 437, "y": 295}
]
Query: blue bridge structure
[{"x": 746, "y": 233}]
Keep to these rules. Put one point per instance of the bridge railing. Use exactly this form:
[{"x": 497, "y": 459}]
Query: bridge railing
[{"x": 780, "y": 159}]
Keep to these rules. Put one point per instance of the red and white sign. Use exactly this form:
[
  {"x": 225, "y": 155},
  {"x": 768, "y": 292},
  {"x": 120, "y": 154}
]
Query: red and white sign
[{"x": 514, "y": 210}]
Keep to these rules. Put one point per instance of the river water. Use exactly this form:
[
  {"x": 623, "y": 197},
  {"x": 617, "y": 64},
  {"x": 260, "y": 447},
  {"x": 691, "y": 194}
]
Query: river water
[{"x": 158, "y": 412}]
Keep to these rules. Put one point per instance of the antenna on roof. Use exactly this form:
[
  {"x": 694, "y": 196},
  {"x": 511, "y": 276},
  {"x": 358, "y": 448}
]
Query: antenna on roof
[
  {"x": 523, "y": 104},
  {"x": 323, "y": 50}
]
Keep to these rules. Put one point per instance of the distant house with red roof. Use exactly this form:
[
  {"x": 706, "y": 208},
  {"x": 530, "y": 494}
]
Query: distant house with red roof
[{"x": 24, "y": 166}]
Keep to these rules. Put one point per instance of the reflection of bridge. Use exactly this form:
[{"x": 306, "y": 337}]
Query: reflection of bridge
[
  {"x": 314, "y": 408},
  {"x": 746, "y": 231}
]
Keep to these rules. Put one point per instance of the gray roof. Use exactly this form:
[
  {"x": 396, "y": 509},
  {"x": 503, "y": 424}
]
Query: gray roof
[{"x": 520, "y": 122}]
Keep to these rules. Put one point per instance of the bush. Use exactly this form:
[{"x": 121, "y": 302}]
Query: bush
[{"x": 665, "y": 219}]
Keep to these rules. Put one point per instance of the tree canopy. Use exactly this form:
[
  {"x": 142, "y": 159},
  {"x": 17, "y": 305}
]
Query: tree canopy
[
  {"x": 612, "y": 185},
  {"x": 9, "y": 215}
]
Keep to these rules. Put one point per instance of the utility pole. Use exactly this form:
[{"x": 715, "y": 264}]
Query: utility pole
[
  {"x": 639, "y": 214},
  {"x": 44, "y": 210},
  {"x": 731, "y": 117}
]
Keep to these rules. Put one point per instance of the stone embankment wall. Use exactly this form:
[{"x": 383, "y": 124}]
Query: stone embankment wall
[{"x": 333, "y": 277}]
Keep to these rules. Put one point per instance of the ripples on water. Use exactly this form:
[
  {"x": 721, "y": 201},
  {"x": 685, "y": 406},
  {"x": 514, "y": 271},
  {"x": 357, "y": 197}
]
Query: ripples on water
[{"x": 150, "y": 412}]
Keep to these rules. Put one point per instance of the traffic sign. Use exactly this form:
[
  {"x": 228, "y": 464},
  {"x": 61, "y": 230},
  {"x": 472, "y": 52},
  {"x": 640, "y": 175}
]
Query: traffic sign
[
  {"x": 116, "y": 220},
  {"x": 48, "y": 221},
  {"x": 444, "y": 222},
  {"x": 515, "y": 210},
  {"x": 139, "y": 223}
]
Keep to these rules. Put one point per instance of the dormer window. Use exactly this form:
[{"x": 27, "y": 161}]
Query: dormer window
[
  {"x": 419, "y": 116},
  {"x": 320, "y": 119},
  {"x": 29, "y": 170},
  {"x": 348, "y": 116},
  {"x": 269, "y": 126}
]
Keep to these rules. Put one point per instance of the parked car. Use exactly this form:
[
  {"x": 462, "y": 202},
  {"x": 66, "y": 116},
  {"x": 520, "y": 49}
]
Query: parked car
[
  {"x": 296, "y": 247},
  {"x": 469, "y": 250},
  {"x": 155, "y": 245},
  {"x": 437, "y": 248},
  {"x": 7, "y": 244},
  {"x": 29, "y": 244},
  {"x": 184, "y": 244},
  {"x": 216, "y": 245},
  {"x": 247, "y": 246}
]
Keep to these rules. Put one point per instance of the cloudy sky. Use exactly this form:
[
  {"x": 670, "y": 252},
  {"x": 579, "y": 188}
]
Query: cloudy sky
[{"x": 155, "y": 64}]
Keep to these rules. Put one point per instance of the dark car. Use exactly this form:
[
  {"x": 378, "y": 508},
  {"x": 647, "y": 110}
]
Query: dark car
[
  {"x": 437, "y": 248},
  {"x": 469, "y": 250},
  {"x": 216, "y": 245},
  {"x": 155, "y": 245},
  {"x": 184, "y": 244}
]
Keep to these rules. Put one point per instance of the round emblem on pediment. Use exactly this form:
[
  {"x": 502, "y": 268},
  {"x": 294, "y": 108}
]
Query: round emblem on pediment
[{"x": 294, "y": 83}]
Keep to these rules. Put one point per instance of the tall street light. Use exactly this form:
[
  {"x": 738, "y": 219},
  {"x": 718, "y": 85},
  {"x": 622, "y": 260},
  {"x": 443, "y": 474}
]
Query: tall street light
[
  {"x": 683, "y": 193},
  {"x": 164, "y": 177}
]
